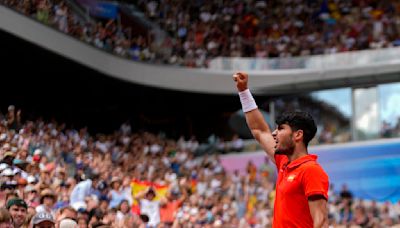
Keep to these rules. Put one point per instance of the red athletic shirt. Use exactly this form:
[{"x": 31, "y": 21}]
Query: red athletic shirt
[{"x": 297, "y": 181}]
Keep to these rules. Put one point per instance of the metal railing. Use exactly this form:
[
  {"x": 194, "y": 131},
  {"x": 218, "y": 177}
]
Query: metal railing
[{"x": 316, "y": 62}]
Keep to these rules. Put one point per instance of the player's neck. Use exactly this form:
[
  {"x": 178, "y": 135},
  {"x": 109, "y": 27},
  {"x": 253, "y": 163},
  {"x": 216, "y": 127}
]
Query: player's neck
[{"x": 298, "y": 153}]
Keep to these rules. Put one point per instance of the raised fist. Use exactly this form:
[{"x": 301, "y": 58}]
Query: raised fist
[{"x": 241, "y": 80}]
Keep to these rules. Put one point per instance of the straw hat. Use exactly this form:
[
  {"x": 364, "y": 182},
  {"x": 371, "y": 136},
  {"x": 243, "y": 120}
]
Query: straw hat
[{"x": 47, "y": 192}]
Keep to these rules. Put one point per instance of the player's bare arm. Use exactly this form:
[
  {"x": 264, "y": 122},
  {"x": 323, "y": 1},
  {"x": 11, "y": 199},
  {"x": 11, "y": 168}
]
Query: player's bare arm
[
  {"x": 255, "y": 120},
  {"x": 318, "y": 210}
]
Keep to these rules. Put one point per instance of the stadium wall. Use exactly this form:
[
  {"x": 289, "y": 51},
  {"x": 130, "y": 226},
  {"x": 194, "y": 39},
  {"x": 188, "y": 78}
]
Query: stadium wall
[{"x": 370, "y": 169}]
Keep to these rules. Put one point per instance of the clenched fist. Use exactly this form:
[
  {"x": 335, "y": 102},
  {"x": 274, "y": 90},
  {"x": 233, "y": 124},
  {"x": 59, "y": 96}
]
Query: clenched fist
[{"x": 241, "y": 80}]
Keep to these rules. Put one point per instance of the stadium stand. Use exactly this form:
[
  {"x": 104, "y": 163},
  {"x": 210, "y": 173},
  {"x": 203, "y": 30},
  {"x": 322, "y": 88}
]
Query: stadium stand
[
  {"x": 73, "y": 175},
  {"x": 200, "y": 31}
]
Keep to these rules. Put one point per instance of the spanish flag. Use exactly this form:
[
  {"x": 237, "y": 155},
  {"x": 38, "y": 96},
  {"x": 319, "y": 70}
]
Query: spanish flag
[
  {"x": 139, "y": 186},
  {"x": 251, "y": 204},
  {"x": 193, "y": 185}
]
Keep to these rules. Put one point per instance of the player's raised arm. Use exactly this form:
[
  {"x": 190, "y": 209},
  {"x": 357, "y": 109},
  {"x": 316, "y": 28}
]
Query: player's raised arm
[{"x": 255, "y": 120}]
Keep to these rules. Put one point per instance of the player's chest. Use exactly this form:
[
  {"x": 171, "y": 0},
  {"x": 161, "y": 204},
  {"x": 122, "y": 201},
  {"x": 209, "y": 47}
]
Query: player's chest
[{"x": 289, "y": 182}]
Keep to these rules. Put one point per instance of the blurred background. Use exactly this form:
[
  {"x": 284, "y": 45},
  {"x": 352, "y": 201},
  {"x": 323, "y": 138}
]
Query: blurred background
[{"x": 120, "y": 96}]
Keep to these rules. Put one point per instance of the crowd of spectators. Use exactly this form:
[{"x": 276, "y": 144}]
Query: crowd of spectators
[
  {"x": 102, "y": 33},
  {"x": 52, "y": 176},
  {"x": 202, "y": 30}
]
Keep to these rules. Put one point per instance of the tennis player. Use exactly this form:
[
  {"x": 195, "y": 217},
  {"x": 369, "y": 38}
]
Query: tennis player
[{"x": 302, "y": 185}]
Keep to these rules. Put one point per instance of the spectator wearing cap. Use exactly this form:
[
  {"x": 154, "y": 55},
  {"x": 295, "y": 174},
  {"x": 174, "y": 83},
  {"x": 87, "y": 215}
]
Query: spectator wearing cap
[
  {"x": 47, "y": 201},
  {"x": 21, "y": 184},
  {"x": 36, "y": 156},
  {"x": 3, "y": 166},
  {"x": 31, "y": 196},
  {"x": 19, "y": 163},
  {"x": 7, "y": 187},
  {"x": 8, "y": 158},
  {"x": 18, "y": 210},
  {"x": 31, "y": 180},
  {"x": 4, "y": 190},
  {"x": 42, "y": 220},
  {"x": 116, "y": 194},
  {"x": 7, "y": 175},
  {"x": 103, "y": 191}
]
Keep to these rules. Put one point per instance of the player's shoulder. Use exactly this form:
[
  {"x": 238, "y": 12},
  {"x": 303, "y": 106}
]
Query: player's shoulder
[
  {"x": 312, "y": 164},
  {"x": 314, "y": 168}
]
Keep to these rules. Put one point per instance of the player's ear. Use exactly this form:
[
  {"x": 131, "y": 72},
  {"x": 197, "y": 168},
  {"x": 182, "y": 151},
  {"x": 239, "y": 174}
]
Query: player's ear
[{"x": 299, "y": 135}]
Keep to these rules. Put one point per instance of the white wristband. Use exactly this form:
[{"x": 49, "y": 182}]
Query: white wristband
[{"x": 247, "y": 100}]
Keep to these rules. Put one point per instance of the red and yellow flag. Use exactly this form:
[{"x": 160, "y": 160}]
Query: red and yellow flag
[
  {"x": 251, "y": 204},
  {"x": 140, "y": 186}
]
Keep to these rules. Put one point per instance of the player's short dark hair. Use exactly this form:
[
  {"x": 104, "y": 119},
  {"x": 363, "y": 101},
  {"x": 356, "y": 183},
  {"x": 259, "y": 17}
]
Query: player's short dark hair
[{"x": 299, "y": 120}]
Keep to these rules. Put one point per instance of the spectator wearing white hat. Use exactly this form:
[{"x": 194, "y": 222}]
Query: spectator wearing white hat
[
  {"x": 37, "y": 152},
  {"x": 116, "y": 194},
  {"x": 8, "y": 174},
  {"x": 42, "y": 220},
  {"x": 31, "y": 196},
  {"x": 3, "y": 166},
  {"x": 68, "y": 223},
  {"x": 31, "y": 179}
]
